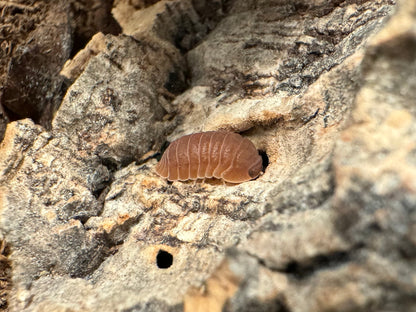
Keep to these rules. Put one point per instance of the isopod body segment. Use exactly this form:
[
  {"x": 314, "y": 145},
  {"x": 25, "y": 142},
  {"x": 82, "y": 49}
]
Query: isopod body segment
[{"x": 219, "y": 154}]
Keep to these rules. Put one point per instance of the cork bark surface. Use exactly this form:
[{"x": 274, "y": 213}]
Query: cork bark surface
[{"x": 90, "y": 96}]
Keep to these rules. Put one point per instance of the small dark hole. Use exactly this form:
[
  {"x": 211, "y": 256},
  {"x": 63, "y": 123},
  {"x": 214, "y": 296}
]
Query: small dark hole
[
  {"x": 82, "y": 218},
  {"x": 265, "y": 159},
  {"x": 164, "y": 259},
  {"x": 175, "y": 84},
  {"x": 292, "y": 267},
  {"x": 16, "y": 11}
]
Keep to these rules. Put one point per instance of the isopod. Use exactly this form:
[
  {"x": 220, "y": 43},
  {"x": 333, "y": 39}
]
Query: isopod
[{"x": 219, "y": 154}]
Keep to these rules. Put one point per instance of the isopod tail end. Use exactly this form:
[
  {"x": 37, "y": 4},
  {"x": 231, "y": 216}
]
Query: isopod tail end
[{"x": 161, "y": 169}]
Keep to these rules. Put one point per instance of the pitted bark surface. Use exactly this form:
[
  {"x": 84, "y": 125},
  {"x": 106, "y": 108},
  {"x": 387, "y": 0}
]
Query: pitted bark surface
[{"x": 322, "y": 88}]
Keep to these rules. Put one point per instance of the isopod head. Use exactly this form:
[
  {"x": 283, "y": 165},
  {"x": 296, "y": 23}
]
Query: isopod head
[{"x": 241, "y": 172}]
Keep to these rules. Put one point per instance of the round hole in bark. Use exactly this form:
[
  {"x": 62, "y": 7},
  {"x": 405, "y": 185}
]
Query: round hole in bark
[{"x": 164, "y": 259}]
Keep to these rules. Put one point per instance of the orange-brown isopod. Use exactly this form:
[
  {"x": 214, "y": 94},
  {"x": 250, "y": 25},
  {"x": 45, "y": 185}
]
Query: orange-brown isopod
[{"x": 219, "y": 154}]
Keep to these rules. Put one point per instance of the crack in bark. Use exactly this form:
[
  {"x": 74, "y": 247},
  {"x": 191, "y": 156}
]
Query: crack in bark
[{"x": 303, "y": 269}]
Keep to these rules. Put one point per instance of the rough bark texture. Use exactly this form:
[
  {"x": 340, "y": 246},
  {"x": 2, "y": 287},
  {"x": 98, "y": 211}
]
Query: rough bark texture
[
  {"x": 325, "y": 90},
  {"x": 31, "y": 86},
  {"x": 37, "y": 37}
]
